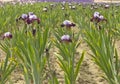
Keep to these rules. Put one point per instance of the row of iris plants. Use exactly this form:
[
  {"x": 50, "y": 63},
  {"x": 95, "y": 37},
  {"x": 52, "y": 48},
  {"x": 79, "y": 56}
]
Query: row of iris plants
[{"x": 30, "y": 31}]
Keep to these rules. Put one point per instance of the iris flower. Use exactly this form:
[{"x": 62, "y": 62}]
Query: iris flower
[
  {"x": 29, "y": 18},
  {"x": 66, "y": 38},
  {"x": 68, "y": 24},
  {"x": 97, "y": 17},
  {"x": 107, "y": 6},
  {"x": 7, "y": 35},
  {"x": 45, "y": 9}
]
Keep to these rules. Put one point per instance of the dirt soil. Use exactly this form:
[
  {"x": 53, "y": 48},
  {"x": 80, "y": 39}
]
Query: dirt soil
[{"x": 89, "y": 72}]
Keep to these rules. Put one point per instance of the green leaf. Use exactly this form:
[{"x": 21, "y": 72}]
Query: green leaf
[{"x": 78, "y": 65}]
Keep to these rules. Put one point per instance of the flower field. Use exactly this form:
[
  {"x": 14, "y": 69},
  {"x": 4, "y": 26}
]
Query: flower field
[{"x": 59, "y": 43}]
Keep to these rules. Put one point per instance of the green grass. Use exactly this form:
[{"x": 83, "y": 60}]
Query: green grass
[{"x": 30, "y": 51}]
